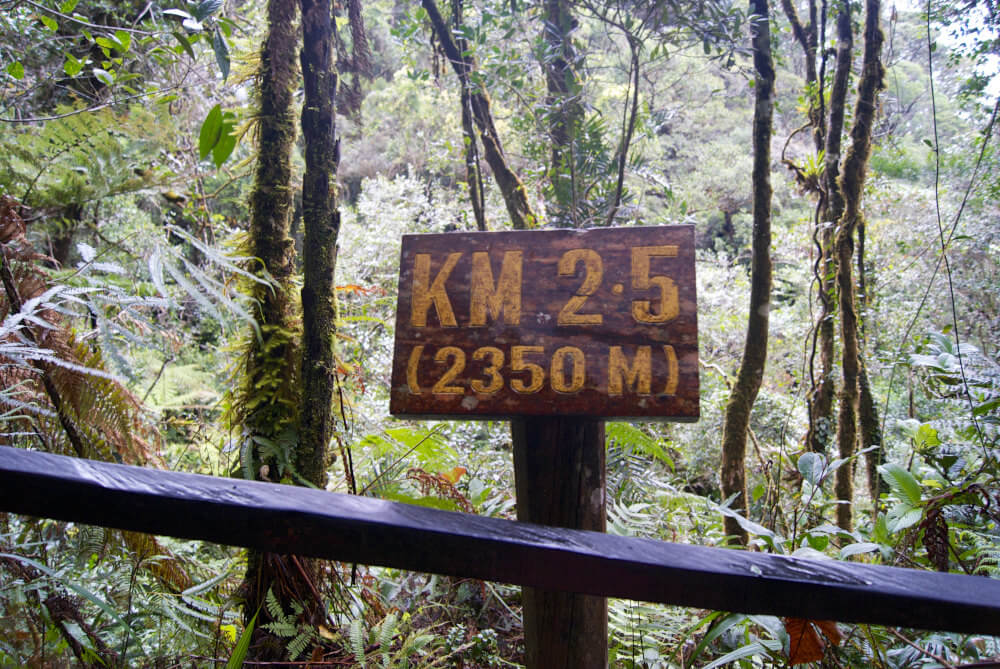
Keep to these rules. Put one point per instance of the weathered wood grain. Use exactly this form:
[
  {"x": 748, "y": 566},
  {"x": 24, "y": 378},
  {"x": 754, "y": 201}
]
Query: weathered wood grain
[
  {"x": 357, "y": 529},
  {"x": 559, "y": 475},
  {"x": 607, "y": 316}
]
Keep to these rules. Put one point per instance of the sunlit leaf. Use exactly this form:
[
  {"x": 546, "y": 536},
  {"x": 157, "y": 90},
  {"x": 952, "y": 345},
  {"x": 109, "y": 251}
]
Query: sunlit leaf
[
  {"x": 211, "y": 129},
  {"x": 901, "y": 482},
  {"x": 16, "y": 70}
]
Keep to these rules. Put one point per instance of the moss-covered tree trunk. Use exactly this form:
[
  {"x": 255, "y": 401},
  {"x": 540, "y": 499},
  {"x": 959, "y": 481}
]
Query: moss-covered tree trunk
[
  {"x": 268, "y": 403},
  {"x": 821, "y": 415},
  {"x": 748, "y": 381},
  {"x": 321, "y": 224},
  {"x": 851, "y": 182}
]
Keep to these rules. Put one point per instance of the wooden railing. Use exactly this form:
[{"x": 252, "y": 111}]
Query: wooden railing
[{"x": 287, "y": 519}]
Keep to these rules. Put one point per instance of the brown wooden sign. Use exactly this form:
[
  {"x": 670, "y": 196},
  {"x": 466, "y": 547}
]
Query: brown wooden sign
[{"x": 599, "y": 323}]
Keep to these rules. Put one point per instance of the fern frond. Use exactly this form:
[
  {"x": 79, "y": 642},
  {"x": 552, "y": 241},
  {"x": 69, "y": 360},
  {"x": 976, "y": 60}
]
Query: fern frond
[
  {"x": 273, "y": 605},
  {"x": 357, "y": 638},
  {"x": 297, "y": 645}
]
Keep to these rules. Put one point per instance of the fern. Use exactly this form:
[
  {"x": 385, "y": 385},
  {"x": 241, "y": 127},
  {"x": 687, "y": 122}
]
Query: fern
[
  {"x": 273, "y": 605},
  {"x": 357, "y": 638},
  {"x": 387, "y": 630}
]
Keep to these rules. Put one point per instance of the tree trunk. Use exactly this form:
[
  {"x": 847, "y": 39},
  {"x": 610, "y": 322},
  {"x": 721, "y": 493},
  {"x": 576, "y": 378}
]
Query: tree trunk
[
  {"x": 514, "y": 195},
  {"x": 267, "y": 405},
  {"x": 821, "y": 419},
  {"x": 737, "y": 419},
  {"x": 851, "y": 183},
  {"x": 807, "y": 37},
  {"x": 321, "y": 222},
  {"x": 565, "y": 112},
  {"x": 473, "y": 173}
]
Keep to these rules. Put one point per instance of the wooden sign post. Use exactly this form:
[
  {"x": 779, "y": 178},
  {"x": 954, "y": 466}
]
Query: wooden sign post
[{"x": 553, "y": 330}]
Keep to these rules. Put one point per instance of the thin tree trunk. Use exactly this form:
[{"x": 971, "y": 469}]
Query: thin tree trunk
[
  {"x": 511, "y": 187},
  {"x": 628, "y": 129},
  {"x": 565, "y": 112},
  {"x": 871, "y": 434},
  {"x": 806, "y": 36},
  {"x": 321, "y": 223},
  {"x": 473, "y": 173},
  {"x": 821, "y": 419},
  {"x": 748, "y": 381},
  {"x": 871, "y": 429},
  {"x": 851, "y": 183}
]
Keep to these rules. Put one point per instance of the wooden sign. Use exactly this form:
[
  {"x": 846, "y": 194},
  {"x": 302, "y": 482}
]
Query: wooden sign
[{"x": 597, "y": 323}]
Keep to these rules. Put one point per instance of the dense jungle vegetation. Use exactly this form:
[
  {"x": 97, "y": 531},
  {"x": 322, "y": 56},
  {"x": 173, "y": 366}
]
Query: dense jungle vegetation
[{"x": 201, "y": 206}]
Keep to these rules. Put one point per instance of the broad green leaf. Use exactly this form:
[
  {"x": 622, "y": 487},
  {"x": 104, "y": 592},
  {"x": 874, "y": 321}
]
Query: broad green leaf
[
  {"x": 124, "y": 40},
  {"x": 16, "y": 70},
  {"x": 105, "y": 77},
  {"x": 48, "y": 22},
  {"x": 106, "y": 45},
  {"x": 927, "y": 437},
  {"x": 818, "y": 541},
  {"x": 68, "y": 6},
  {"x": 224, "y": 147},
  {"x": 901, "y": 482},
  {"x": 221, "y": 50},
  {"x": 211, "y": 131},
  {"x": 902, "y": 516},
  {"x": 908, "y": 427},
  {"x": 180, "y": 13},
  {"x": 812, "y": 467},
  {"x": 185, "y": 44},
  {"x": 857, "y": 549},
  {"x": 72, "y": 66}
]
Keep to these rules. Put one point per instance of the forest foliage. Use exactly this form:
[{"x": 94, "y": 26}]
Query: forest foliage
[{"x": 158, "y": 263}]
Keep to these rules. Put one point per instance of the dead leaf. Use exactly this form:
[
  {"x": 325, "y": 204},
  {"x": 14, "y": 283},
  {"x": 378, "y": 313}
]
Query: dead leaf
[{"x": 804, "y": 642}]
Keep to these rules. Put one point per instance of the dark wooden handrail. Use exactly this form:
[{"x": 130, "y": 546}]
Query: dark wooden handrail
[{"x": 316, "y": 523}]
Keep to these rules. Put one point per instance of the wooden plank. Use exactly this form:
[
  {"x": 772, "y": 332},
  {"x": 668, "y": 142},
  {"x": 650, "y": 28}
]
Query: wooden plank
[
  {"x": 591, "y": 323},
  {"x": 559, "y": 472},
  {"x": 357, "y": 529}
]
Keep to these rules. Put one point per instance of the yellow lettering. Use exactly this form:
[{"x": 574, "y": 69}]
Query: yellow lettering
[
  {"x": 493, "y": 371},
  {"x": 411, "y": 370},
  {"x": 621, "y": 374},
  {"x": 518, "y": 364},
  {"x": 672, "y": 375},
  {"x": 458, "y": 364},
  {"x": 641, "y": 280},
  {"x": 487, "y": 299},
  {"x": 593, "y": 272},
  {"x": 426, "y": 293},
  {"x": 557, "y": 371}
]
